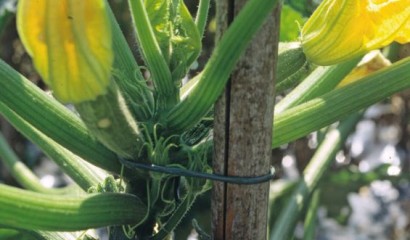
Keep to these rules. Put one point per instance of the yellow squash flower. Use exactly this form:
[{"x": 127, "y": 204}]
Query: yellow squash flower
[
  {"x": 371, "y": 62},
  {"x": 343, "y": 29},
  {"x": 70, "y": 43}
]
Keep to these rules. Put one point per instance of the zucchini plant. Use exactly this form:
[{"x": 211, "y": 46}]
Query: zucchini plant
[{"x": 139, "y": 142}]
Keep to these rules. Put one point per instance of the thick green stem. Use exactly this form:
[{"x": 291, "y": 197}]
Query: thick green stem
[
  {"x": 8, "y": 233},
  {"x": 334, "y": 105},
  {"x": 216, "y": 73},
  {"x": 160, "y": 72},
  {"x": 24, "y": 176},
  {"x": 131, "y": 82},
  {"x": 28, "y": 210},
  {"x": 51, "y": 118},
  {"x": 311, "y": 216},
  {"x": 313, "y": 173},
  {"x": 202, "y": 16},
  {"x": 71, "y": 164}
]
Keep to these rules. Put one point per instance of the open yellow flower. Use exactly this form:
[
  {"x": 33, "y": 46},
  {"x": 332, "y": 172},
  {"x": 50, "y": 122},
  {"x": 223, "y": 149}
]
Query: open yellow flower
[
  {"x": 70, "y": 43},
  {"x": 343, "y": 29}
]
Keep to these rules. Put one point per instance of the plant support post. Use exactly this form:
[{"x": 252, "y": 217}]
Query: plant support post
[{"x": 243, "y": 131}]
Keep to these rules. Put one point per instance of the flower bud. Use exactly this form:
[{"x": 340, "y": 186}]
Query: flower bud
[
  {"x": 340, "y": 30},
  {"x": 71, "y": 45}
]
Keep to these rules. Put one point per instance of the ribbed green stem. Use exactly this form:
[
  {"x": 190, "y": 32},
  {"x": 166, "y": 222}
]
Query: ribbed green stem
[
  {"x": 278, "y": 190},
  {"x": 292, "y": 67},
  {"x": 8, "y": 233},
  {"x": 52, "y": 118},
  {"x": 71, "y": 164},
  {"x": 334, "y": 105},
  {"x": 140, "y": 100},
  {"x": 319, "y": 82},
  {"x": 216, "y": 73},
  {"x": 124, "y": 58},
  {"x": 24, "y": 176},
  {"x": 313, "y": 173},
  {"x": 311, "y": 216},
  {"x": 202, "y": 16},
  {"x": 28, "y": 210},
  {"x": 160, "y": 72}
]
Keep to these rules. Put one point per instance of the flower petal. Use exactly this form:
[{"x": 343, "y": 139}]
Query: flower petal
[
  {"x": 70, "y": 43},
  {"x": 343, "y": 29}
]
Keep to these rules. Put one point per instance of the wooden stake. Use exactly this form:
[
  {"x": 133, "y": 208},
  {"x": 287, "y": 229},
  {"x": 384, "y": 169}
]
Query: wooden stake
[{"x": 243, "y": 132}]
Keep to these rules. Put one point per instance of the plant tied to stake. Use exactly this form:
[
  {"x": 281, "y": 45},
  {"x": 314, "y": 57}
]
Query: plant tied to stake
[
  {"x": 71, "y": 43},
  {"x": 151, "y": 134}
]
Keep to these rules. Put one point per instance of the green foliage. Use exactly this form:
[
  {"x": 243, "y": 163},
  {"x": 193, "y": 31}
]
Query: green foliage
[
  {"x": 290, "y": 23},
  {"x": 145, "y": 120},
  {"x": 176, "y": 33},
  {"x": 9, "y": 234}
]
